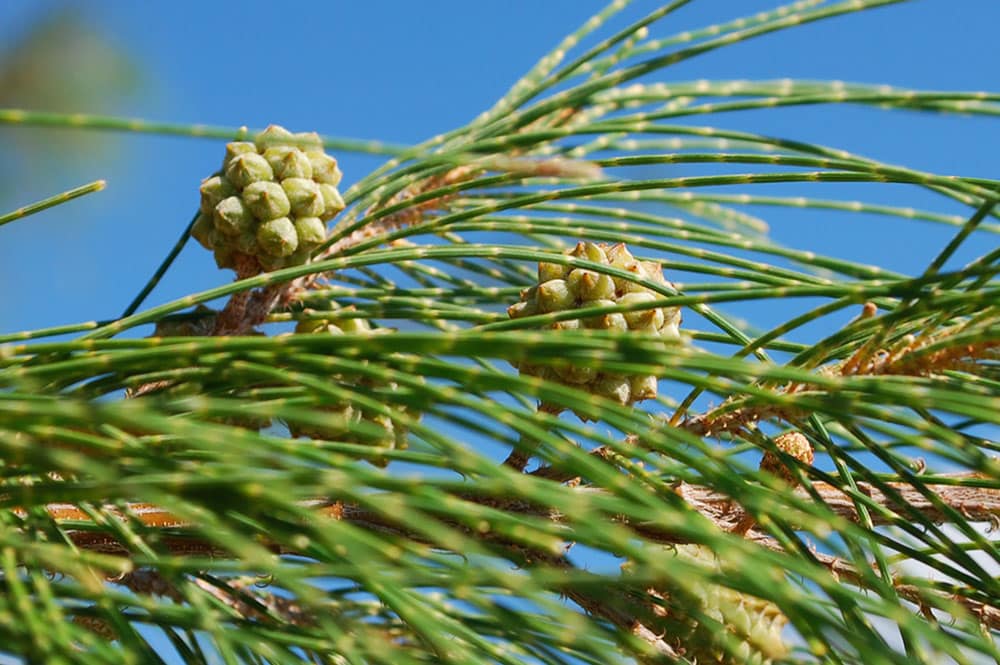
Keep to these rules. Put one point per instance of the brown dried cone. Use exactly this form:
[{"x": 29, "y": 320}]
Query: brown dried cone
[
  {"x": 790, "y": 443},
  {"x": 562, "y": 288},
  {"x": 794, "y": 444},
  {"x": 199, "y": 324},
  {"x": 268, "y": 206},
  {"x": 745, "y": 630},
  {"x": 344, "y": 417}
]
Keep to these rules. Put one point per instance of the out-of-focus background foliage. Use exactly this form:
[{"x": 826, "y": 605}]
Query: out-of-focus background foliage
[{"x": 60, "y": 61}]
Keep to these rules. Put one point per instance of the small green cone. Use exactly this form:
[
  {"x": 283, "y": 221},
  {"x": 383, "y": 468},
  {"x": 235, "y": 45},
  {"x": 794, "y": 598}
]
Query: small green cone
[
  {"x": 224, "y": 257},
  {"x": 547, "y": 271},
  {"x": 273, "y": 135},
  {"x": 744, "y": 629},
  {"x": 554, "y": 296},
  {"x": 305, "y": 197},
  {"x": 213, "y": 191},
  {"x": 332, "y": 201},
  {"x": 203, "y": 230},
  {"x": 235, "y": 149},
  {"x": 246, "y": 243},
  {"x": 288, "y": 162},
  {"x": 308, "y": 141},
  {"x": 270, "y": 203},
  {"x": 324, "y": 168},
  {"x": 346, "y": 422},
  {"x": 563, "y": 288}
]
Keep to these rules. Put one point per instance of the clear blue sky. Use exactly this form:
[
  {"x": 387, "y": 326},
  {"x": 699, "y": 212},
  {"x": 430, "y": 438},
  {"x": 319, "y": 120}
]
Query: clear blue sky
[{"x": 403, "y": 71}]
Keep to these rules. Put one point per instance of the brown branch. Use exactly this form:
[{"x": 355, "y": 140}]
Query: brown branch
[
  {"x": 980, "y": 504},
  {"x": 975, "y": 503},
  {"x": 233, "y": 593},
  {"x": 247, "y": 604},
  {"x": 718, "y": 421},
  {"x": 148, "y": 582},
  {"x": 560, "y": 475},
  {"x": 409, "y": 216},
  {"x": 600, "y": 607},
  {"x": 987, "y": 615},
  {"x": 907, "y": 359},
  {"x": 248, "y": 309}
]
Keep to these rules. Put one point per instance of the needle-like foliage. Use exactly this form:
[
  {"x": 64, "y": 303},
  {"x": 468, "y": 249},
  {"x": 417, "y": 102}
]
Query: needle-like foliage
[{"x": 160, "y": 503}]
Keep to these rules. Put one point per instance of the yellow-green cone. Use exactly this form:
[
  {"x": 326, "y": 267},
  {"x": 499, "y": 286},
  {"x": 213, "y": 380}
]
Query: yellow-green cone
[
  {"x": 744, "y": 629},
  {"x": 561, "y": 288},
  {"x": 268, "y": 205},
  {"x": 199, "y": 323},
  {"x": 345, "y": 417}
]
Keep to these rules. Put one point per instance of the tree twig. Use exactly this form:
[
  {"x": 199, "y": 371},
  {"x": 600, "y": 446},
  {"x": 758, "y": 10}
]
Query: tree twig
[{"x": 975, "y": 503}]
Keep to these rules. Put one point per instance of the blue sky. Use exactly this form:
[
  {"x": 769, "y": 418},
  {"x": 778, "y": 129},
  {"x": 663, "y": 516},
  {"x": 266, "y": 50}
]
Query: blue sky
[{"x": 403, "y": 71}]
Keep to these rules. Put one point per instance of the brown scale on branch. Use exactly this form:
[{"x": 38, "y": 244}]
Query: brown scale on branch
[
  {"x": 408, "y": 216},
  {"x": 907, "y": 358},
  {"x": 100, "y": 627},
  {"x": 254, "y": 605},
  {"x": 148, "y": 582},
  {"x": 417, "y": 213},
  {"x": 913, "y": 355},
  {"x": 731, "y": 419},
  {"x": 793, "y": 444},
  {"x": 913, "y": 361}
]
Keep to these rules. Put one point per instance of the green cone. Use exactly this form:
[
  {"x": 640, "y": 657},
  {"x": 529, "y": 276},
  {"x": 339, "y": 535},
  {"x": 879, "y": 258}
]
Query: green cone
[
  {"x": 565, "y": 288},
  {"x": 270, "y": 202},
  {"x": 346, "y": 422},
  {"x": 742, "y": 629}
]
